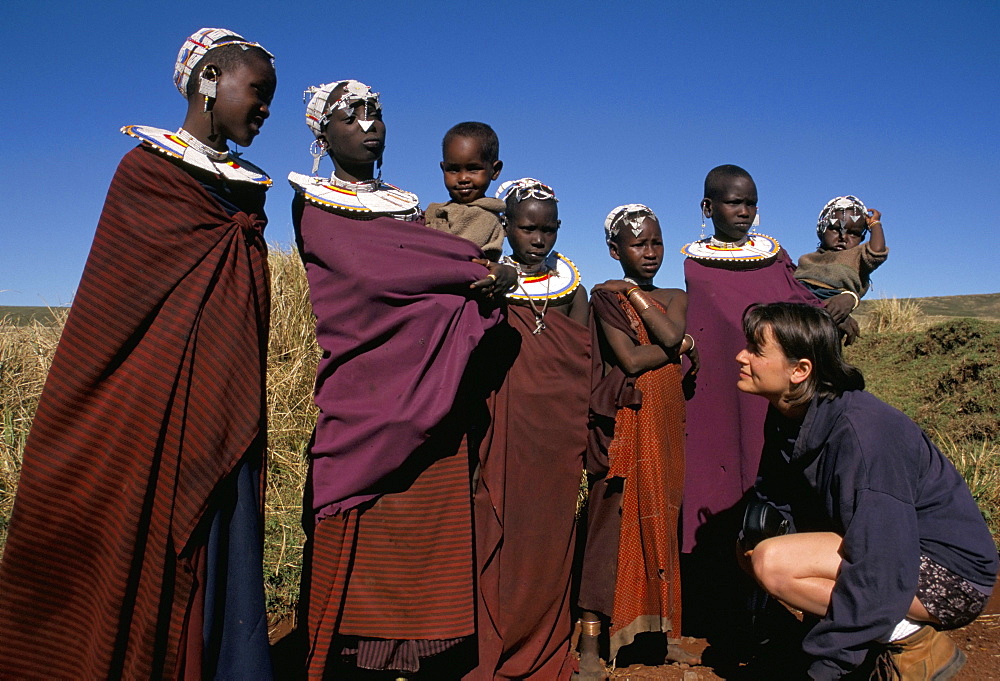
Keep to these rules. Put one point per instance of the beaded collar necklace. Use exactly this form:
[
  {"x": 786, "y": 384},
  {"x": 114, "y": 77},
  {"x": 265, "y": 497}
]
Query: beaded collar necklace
[
  {"x": 754, "y": 246},
  {"x": 181, "y": 145},
  {"x": 200, "y": 147},
  {"x": 368, "y": 199}
]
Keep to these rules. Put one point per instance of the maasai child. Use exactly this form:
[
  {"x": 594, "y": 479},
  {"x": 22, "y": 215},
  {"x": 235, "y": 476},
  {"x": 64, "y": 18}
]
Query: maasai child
[
  {"x": 724, "y": 273},
  {"x": 135, "y": 544},
  {"x": 532, "y": 455},
  {"x": 842, "y": 265},
  {"x": 388, "y": 572},
  {"x": 631, "y": 573}
]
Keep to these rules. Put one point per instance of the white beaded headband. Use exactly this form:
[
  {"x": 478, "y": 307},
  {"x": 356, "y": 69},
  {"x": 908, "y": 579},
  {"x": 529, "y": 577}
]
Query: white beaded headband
[
  {"x": 844, "y": 203},
  {"x": 317, "y": 97},
  {"x": 198, "y": 44},
  {"x": 526, "y": 188},
  {"x": 631, "y": 214}
]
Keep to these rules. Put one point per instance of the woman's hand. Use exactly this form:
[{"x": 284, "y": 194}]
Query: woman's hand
[
  {"x": 874, "y": 217},
  {"x": 500, "y": 280}
]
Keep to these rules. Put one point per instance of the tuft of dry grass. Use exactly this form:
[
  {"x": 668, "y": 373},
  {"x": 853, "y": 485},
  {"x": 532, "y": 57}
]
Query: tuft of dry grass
[{"x": 892, "y": 315}]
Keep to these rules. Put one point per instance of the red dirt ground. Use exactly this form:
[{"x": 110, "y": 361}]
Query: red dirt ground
[{"x": 980, "y": 641}]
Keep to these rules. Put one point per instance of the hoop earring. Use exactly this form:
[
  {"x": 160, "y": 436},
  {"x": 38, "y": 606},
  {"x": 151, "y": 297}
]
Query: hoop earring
[{"x": 317, "y": 150}]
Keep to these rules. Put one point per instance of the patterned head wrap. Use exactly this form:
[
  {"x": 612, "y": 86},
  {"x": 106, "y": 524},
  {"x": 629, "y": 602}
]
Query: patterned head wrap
[
  {"x": 851, "y": 204},
  {"x": 525, "y": 188},
  {"x": 631, "y": 214},
  {"x": 317, "y": 97},
  {"x": 198, "y": 44}
]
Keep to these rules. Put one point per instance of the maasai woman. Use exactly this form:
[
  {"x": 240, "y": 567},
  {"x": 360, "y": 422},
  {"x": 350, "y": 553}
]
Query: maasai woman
[
  {"x": 388, "y": 576},
  {"x": 135, "y": 545},
  {"x": 532, "y": 456},
  {"x": 631, "y": 574}
]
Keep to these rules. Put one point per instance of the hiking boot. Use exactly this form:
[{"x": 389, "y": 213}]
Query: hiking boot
[{"x": 925, "y": 655}]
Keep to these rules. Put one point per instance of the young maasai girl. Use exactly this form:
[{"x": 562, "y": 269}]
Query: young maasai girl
[
  {"x": 631, "y": 575},
  {"x": 724, "y": 273},
  {"x": 135, "y": 544},
  {"x": 532, "y": 455},
  {"x": 388, "y": 575}
]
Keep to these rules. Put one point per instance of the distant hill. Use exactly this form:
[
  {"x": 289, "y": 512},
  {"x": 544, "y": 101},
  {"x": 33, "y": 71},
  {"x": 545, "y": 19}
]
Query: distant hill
[
  {"x": 939, "y": 308},
  {"x": 22, "y": 316}
]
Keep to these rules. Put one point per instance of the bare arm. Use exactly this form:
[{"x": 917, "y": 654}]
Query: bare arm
[
  {"x": 633, "y": 359},
  {"x": 877, "y": 239}
]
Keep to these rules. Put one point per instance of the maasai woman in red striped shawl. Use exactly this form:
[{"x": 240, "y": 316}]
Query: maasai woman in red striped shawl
[
  {"x": 388, "y": 574},
  {"x": 135, "y": 544}
]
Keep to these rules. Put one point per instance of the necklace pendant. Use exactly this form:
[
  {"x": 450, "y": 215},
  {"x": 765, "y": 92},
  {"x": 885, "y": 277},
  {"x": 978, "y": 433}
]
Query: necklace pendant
[{"x": 539, "y": 327}]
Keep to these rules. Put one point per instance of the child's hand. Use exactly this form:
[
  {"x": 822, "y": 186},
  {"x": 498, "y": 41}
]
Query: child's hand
[
  {"x": 840, "y": 307},
  {"x": 500, "y": 280},
  {"x": 874, "y": 217},
  {"x": 615, "y": 286}
]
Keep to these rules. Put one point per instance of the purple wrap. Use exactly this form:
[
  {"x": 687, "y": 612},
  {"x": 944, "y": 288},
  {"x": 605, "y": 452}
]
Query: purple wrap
[
  {"x": 396, "y": 322},
  {"x": 725, "y": 427}
]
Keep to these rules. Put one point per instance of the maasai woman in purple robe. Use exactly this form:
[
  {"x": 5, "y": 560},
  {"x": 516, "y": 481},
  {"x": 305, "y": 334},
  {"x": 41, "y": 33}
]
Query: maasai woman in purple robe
[{"x": 388, "y": 576}]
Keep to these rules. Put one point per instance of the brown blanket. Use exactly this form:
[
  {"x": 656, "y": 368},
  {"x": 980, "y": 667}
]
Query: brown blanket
[{"x": 156, "y": 392}]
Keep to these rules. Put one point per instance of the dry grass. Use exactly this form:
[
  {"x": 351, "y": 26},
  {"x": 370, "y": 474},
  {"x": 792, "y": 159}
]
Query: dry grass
[
  {"x": 25, "y": 356},
  {"x": 892, "y": 315},
  {"x": 291, "y": 369}
]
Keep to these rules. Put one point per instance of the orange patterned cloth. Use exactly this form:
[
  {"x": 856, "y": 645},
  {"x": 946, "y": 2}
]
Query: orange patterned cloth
[{"x": 647, "y": 452}]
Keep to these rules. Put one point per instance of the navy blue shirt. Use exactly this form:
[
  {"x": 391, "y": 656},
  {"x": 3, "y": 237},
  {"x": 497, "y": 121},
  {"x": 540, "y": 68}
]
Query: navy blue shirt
[{"x": 862, "y": 469}]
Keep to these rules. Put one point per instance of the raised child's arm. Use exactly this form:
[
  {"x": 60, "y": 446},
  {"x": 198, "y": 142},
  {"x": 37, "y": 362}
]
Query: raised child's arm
[{"x": 876, "y": 241}]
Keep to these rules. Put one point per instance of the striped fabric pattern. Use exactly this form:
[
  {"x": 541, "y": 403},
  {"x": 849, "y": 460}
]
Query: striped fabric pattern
[
  {"x": 155, "y": 393},
  {"x": 399, "y": 572}
]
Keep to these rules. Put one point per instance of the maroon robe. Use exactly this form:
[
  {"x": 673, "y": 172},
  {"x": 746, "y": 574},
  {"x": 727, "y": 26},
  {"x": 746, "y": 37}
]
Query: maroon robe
[
  {"x": 525, "y": 502},
  {"x": 155, "y": 394}
]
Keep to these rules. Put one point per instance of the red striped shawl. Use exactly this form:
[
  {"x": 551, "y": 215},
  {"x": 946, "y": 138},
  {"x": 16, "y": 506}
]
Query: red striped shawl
[{"x": 155, "y": 393}]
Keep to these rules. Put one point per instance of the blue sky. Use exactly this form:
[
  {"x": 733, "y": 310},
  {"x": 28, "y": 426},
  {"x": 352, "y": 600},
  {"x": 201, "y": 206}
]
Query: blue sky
[{"x": 896, "y": 102}]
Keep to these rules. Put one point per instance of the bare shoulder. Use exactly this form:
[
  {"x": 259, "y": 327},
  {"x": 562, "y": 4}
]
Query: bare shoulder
[{"x": 665, "y": 295}]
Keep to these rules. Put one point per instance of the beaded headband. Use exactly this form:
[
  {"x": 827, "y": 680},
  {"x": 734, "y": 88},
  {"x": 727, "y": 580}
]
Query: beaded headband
[
  {"x": 317, "y": 96},
  {"x": 198, "y": 44},
  {"x": 844, "y": 203},
  {"x": 631, "y": 214},
  {"x": 526, "y": 188}
]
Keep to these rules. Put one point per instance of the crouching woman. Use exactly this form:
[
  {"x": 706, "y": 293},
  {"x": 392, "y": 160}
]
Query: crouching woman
[{"x": 890, "y": 547}]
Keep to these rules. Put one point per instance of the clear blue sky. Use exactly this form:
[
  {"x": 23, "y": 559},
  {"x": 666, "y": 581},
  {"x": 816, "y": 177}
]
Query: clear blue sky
[{"x": 896, "y": 102}]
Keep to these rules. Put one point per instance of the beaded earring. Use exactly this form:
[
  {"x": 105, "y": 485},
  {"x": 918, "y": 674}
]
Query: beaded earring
[
  {"x": 317, "y": 150},
  {"x": 208, "y": 86}
]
